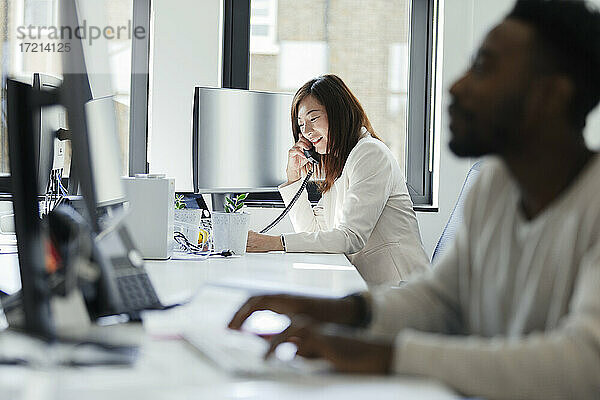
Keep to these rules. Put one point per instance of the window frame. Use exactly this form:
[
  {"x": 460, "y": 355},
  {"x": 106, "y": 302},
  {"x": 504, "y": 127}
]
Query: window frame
[
  {"x": 421, "y": 100},
  {"x": 138, "y": 101},
  {"x": 236, "y": 44},
  {"x": 421, "y": 89}
]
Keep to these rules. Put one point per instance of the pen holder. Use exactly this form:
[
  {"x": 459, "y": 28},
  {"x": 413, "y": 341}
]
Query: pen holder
[{"x": 230, "y": 231}]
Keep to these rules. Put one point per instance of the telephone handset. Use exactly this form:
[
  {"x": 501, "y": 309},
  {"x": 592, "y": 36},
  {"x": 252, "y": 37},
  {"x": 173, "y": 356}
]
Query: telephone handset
[{"x": 313, "y": 157}]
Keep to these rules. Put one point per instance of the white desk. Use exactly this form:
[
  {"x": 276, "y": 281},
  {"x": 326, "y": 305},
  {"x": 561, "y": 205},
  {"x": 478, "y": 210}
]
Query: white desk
[
  {"x": 168, "y": 368},
  {"x": 327, "y": 274}
]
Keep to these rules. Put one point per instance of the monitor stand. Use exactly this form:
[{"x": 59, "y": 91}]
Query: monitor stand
[{"x": 218, "y": 201}]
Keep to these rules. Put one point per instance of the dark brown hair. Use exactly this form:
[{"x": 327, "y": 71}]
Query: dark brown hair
[
  {"x": 346, "y": 117},
  {"x": 568, "y": 42}
]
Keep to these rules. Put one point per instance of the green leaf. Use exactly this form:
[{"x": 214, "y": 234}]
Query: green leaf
[
  {"x": 242, "y": 197},
  {"x": 179, "y": 204}
]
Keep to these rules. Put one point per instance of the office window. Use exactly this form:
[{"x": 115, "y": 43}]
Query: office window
[
  {"x": 120, "y": 13},
  {"x": 350, "y": 38},
  {"x": 383, "y": 49},
  {"x": 263, "y": 27},
  {"x": 16, "y": 62}
]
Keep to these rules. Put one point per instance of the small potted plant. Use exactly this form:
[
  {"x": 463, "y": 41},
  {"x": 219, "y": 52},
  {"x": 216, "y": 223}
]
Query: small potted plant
[
  {"x": 235, "y": 204},
  {"x": 230, "y": 228}
]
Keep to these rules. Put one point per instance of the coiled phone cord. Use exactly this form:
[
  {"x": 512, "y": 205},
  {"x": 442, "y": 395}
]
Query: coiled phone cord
[{"x": 289, "y": 207}]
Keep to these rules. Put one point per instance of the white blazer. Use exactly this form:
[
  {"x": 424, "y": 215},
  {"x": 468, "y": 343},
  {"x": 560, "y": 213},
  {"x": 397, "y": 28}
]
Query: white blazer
[{"x": 367, "y": 215}]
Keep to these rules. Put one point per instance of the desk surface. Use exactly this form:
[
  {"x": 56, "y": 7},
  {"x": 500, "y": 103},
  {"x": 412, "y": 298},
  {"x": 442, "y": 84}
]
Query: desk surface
[
  {"x": 168, "y": 368},
  {"x": 326, "y": 274}
]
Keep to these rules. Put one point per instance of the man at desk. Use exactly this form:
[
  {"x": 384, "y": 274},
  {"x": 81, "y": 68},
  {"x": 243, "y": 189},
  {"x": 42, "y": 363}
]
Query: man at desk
[{"x": 513, "y": 309}]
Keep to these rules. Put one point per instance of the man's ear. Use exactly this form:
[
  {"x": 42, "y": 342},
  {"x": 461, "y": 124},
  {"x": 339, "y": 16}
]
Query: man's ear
[{"x": 556, "y": 94}]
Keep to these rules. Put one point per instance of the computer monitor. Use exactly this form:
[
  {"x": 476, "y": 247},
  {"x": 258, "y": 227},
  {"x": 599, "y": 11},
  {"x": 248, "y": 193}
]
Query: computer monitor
[
  {"x": 92, "y": 118},
  {"x": 23, "y": 104},
  {"x": 93, "y": 150},
  {"x": 49, "y": 152},
  {"x": 241, "y": 140}
]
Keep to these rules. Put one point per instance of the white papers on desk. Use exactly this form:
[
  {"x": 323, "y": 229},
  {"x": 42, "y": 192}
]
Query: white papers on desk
[
  {"x": 8, "y": 244},
  {"x": 211, "y": 308},
  {"x": 8, "y": 249},
  {"x": 254, "y": 287},
  {"x": 7, "y": 239}
]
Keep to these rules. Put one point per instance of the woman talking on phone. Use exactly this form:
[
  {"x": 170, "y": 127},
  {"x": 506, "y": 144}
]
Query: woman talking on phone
[{"x": 365, "y": 210}]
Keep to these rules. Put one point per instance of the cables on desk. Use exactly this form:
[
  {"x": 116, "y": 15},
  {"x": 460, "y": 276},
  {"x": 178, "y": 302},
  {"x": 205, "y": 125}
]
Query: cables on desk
[
  {"x": 186, "y": 245},
  {"x": 192, "y": 248}
]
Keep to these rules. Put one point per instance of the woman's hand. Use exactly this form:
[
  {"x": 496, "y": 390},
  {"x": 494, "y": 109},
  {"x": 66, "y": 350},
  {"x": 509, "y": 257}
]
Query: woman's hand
[
  {"x": 259, "y": 243},
  {"x": 297, "y": 161}
]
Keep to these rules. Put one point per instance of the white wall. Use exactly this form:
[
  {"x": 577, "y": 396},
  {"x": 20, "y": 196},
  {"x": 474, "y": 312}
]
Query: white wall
[
  {"x": 186, "y": 52},
  {"x": 458, "y": 43},
  {"x": 466, "y": 22}
]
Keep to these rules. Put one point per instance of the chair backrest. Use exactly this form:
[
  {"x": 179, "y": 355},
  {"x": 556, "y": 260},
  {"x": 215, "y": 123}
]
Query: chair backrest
[{"x": 456, "y": 217}]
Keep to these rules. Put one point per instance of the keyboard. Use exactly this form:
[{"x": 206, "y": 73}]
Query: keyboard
[{"x": 242, "y": 354}]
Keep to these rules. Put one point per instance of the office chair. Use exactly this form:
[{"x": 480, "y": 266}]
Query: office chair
[{"x": 456, "y": 217}]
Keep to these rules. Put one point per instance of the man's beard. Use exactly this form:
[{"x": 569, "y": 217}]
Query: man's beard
[
  {"x": 496, "y": 136},
  {"x": 469, "y": 145}
]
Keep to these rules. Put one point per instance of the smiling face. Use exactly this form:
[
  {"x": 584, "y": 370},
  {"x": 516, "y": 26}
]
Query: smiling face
[{"x": 313, "y": 123}]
